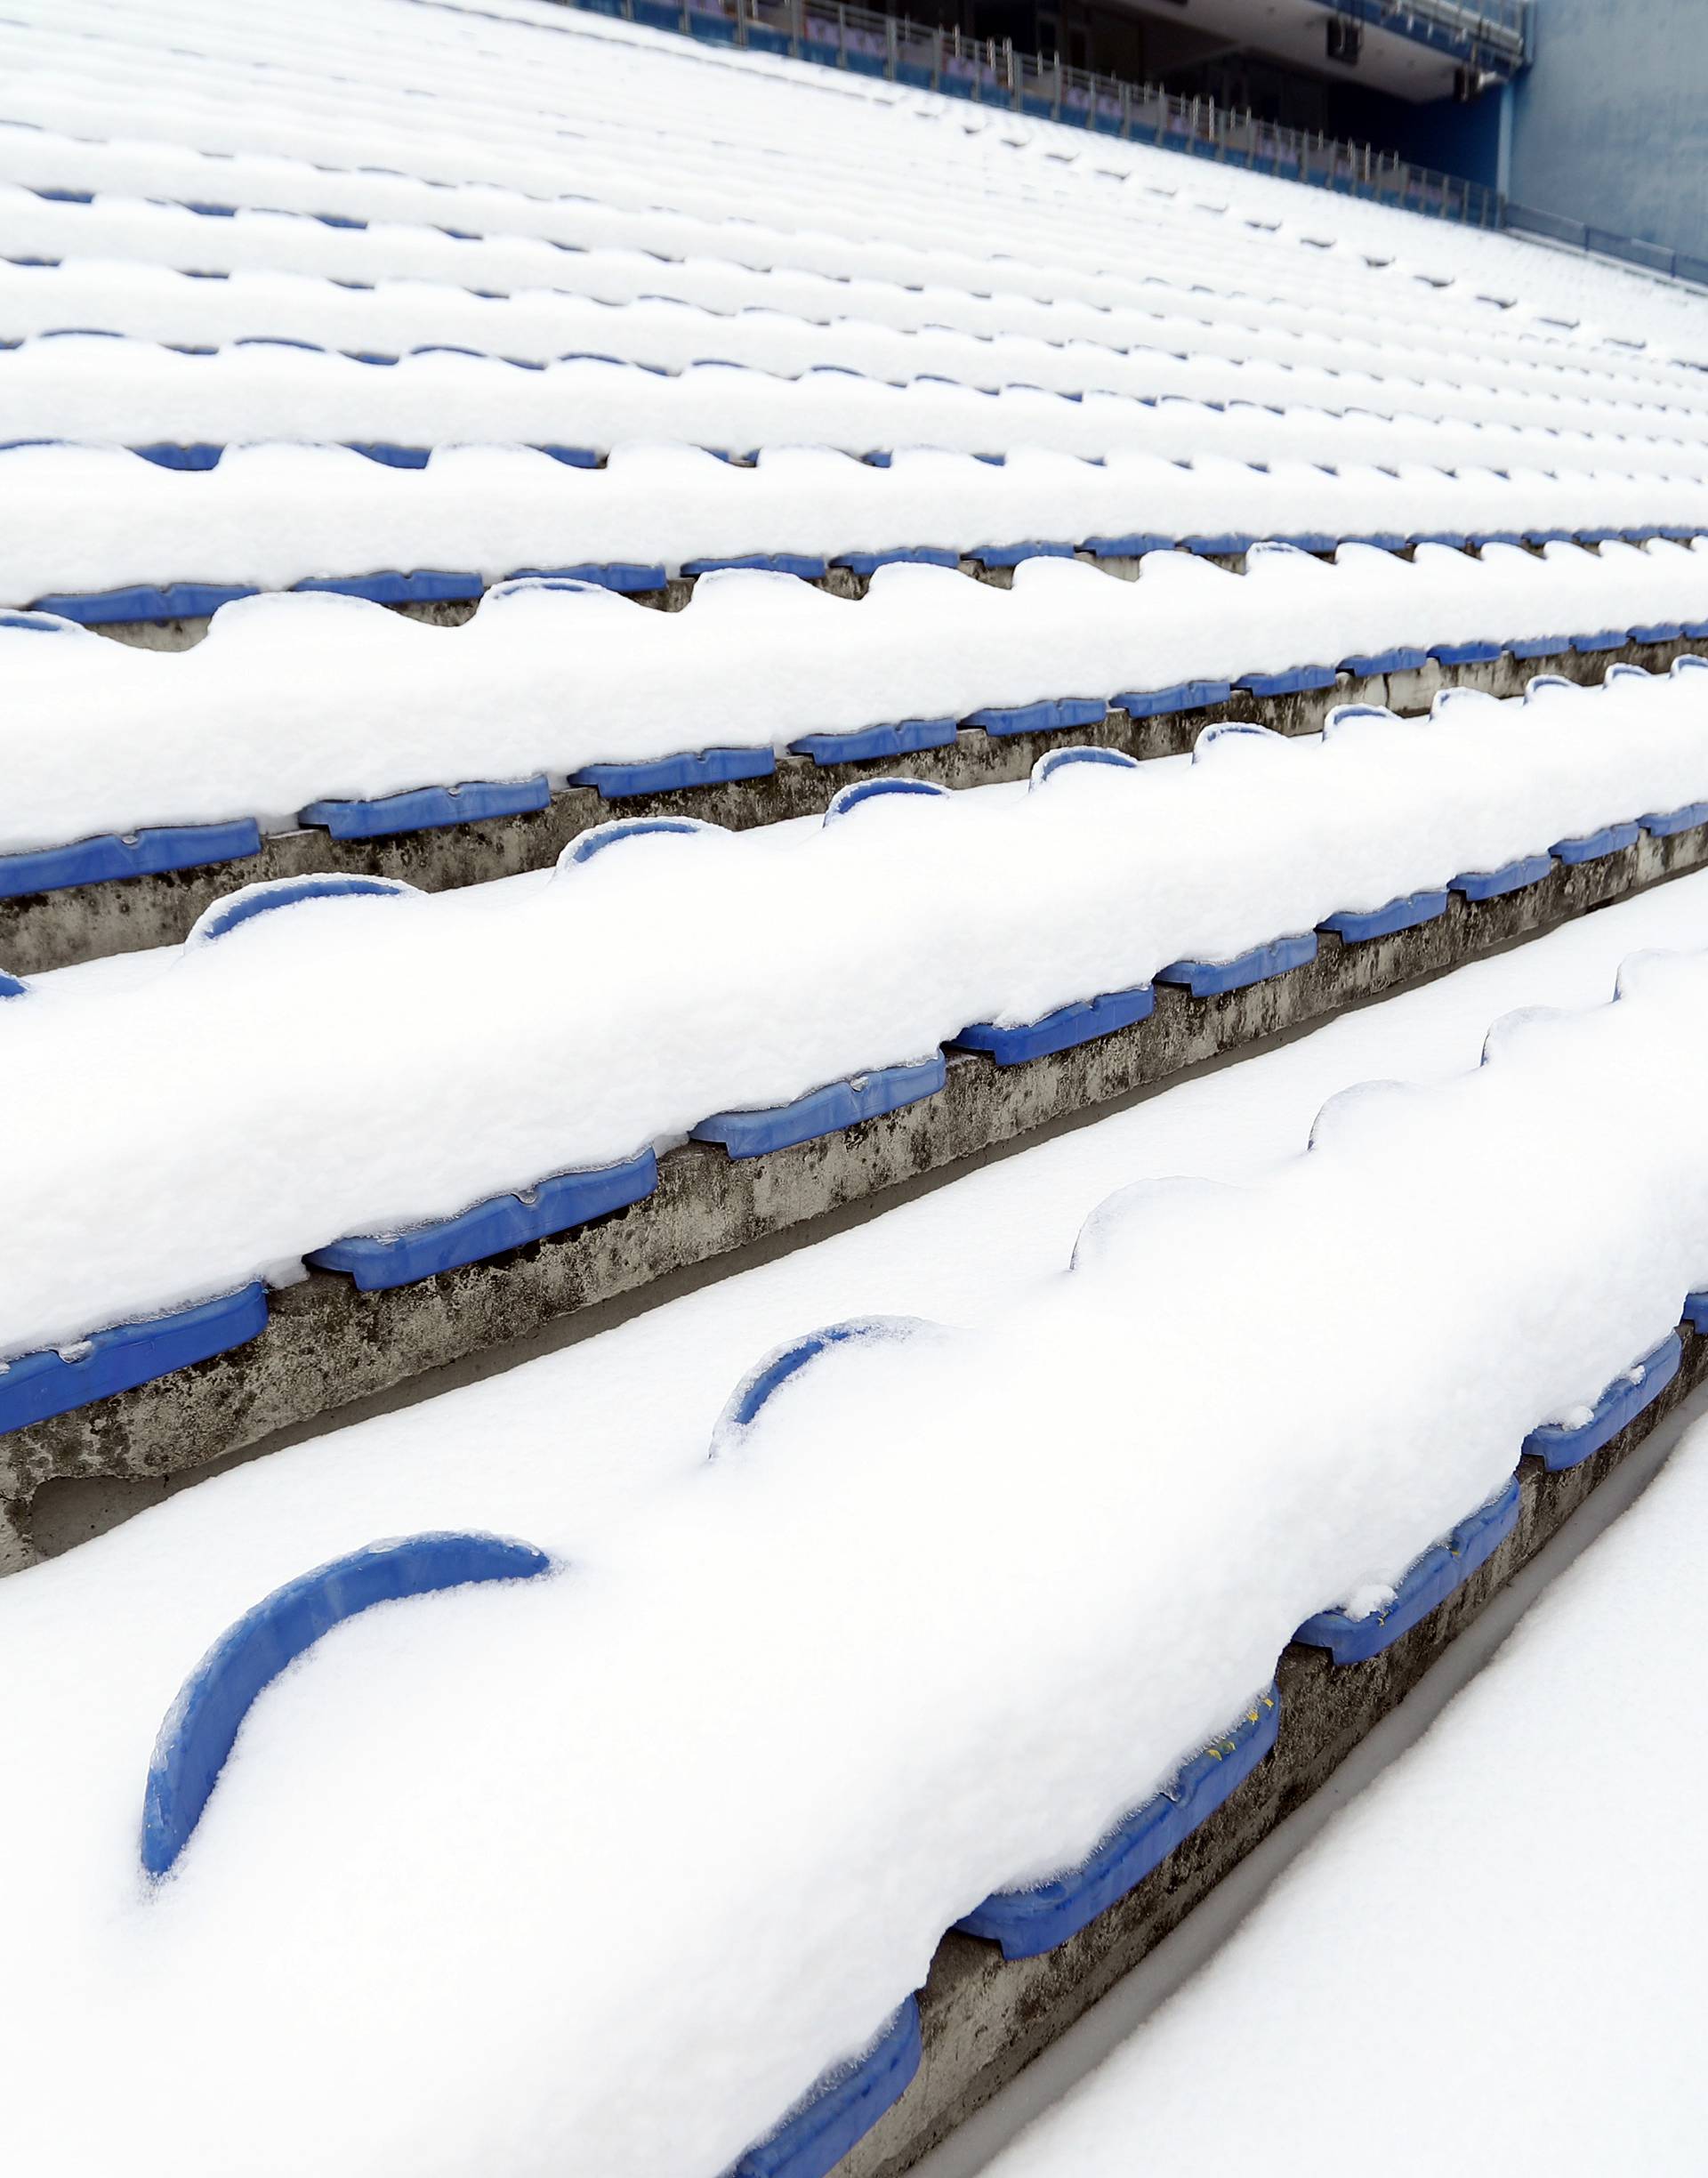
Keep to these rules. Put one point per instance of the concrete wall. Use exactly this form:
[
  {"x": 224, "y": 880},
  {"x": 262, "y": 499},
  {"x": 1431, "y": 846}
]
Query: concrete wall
[{"x": 1609, "y": 125}]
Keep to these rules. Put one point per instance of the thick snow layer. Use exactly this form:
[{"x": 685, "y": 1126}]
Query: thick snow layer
[
  {"x": 737, "y": 123},
  {"x": 522, "y": 1881},
  {"x": 401, "y": 1058},
  {"x": 295, "y": 700},
  {"x": 100, "y": 389},
  {"x": 1481, "y": 1880},
  {"x": 88, "y": 520}
]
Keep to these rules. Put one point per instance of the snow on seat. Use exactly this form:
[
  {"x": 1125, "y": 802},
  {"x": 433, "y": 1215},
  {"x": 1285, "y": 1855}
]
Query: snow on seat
[
  {"x": 843, "y": 2106},
  {"x": 1212, "y": 978},
  {"x": 1038, "y": 1917},
  {"x": 846, "y": 800},
  {"x": 710, "y": 767},
  {"x": 767, "y": 1376},
  {"x": 866, "y": 743},
  {"x": 1354, "y": 1636},
  {"x": 1591, "y": 846},
  {"x": 150, "y": 851},
  {"x": 1063, "y": 1029},
  {"x": 1566, "y": 1443},
  {"x": 276, "y": 894},
  {"x": 1510, "y": 877},
  {"x": 596, "y": 838},
  {"x": 1357, "y": 928},
  {"x": 204, "y": 1720}
]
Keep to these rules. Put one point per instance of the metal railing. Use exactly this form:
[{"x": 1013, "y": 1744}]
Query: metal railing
[
  {"x": 990, "y": 73},
  {"x": 1602, "y": 242}
]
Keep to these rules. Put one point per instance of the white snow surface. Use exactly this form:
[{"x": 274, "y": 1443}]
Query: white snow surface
[
  {"x": 90, "y": 519},
  {"x": 520, "y": 1879},
  {"x": 360, "y": 1064},
  {"x": 291, "y": 699},
  {"x": 1480, "y": 1881}
]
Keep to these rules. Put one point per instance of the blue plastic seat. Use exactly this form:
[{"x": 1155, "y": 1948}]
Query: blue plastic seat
[
  {"x": 1465, "y": 653},
  {"x": 1658, "y": 631},
  {"x": 390, "y": 587},
  {"x": 1664, "y": 825},
  {"x": 380, "y": 1261},
  {"x": 1034, "y": 1920},
  {"x": 808, "y": 567},
  {"x": 390, "y": 455},
  {"x": 184, "y": 600},
  {"x": 108, "y": 857},
  {"x": 1060, "y": 760},
  {"x": 12, "y": 987},
  {"x": 1054, "y": 715},
  {"x": 1611, "y": 839},
  {"x": 200, "y": 454},
  {"x": 755, "y": 1390},
  {"x": 1510, "y": 877},
  {"x": 596, "y": 838},
  {"x": 824, "y": 1111},
  {"x": 1011, "y": 555},
  {"x": 1184, "y": 696},
  {"x": 1062, "y": 1030},
  {"x": 201, "y": 1724},
  {"x": 424, "y": 808},
  {"x": 1603, "y": 639},
  {"x": 1228, "y": 545},
  {"x": 1133, "y": 546},
  {"x": 1400, "y": 659},
  {"x": 627, "y": 575},
  {"x": 1558, "y": 1447},
  {"x": 1426, "y": 1584},
  {"x": 842, "y": 2108},
  {"x": 276, "y": 893},
  {"x": 37, "y": 1387},
  {"x": 1540, "y": 646},
  {"x": 712, "y": 767},
  {"x": 1294, "y": 682},
  {"x": 848, "y": 799},
  {"x": 866, "y": 744},
  {"x": 904, "y": 555},
  {"x": 1354, "y": 926},
  {"x": 1211, "y": 979}
]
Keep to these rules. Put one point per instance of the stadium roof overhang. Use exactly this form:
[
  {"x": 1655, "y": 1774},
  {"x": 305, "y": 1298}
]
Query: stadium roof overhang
[{"x": 1412, "y": 49}]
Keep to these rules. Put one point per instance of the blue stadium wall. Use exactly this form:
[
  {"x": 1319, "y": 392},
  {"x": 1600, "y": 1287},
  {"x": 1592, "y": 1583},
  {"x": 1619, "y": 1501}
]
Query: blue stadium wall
[{"x": 1609, "y": 125}]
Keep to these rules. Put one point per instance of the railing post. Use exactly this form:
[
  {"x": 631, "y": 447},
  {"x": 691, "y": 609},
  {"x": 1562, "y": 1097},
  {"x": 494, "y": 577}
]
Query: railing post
[
  {"x": 797, "y": 28},
  {"x": 891, "y": 57},
  {"x": 1126, "y": 111},
  {"x": 937, "y": 57},
  {"x": 741, "y": 23},
  {"x": 842, "y": 34}
]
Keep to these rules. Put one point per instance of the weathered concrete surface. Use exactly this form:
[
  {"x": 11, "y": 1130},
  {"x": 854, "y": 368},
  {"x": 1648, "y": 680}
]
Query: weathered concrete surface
[
  {"x": 327, "y": 1344},
  {"x": 79, "y": 922},
  {"x": 985, "y": 2018}
]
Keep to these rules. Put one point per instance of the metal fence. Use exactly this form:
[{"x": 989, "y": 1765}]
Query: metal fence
[
  {"x": 1493, "y": 30},
  {"x": 990, "y": 73},
  {"x": 1600, "y": 242}
]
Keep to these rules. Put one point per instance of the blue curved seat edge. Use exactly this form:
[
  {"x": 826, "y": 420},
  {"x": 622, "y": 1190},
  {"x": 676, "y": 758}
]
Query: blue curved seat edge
[
  {"x": 1037, "y": 1919},
  {"x": 865, "y": 745},
  {"x": 824, "y": 1111},
  {"x": 1354, "y": 926},
  {"x": 1211, "y": 979},
  {"x": 199, "y": 1728},
  {"x": 35, "y": 1387},
  {"x": 1558, "y": 1447},
  {"x": 1435, "y": 1575},
  {"x": 109, "y": 857},
  {"x": 711, "y": 767},
  {"x": 1063, "y": 1028},
  {"x": 1510, "y": 877},
  {"x": 426, "y": 809},
  {"x": 842, "y": 2108},
  {"x": 1591, "y": 846},
  {"x": 380, "y": 1261}
]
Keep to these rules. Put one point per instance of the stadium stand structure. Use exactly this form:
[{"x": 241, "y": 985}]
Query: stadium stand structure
[{"x": 1195, "y": 604}]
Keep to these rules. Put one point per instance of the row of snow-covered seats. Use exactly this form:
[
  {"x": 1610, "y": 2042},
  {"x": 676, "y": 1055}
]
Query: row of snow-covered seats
[
  {"x": 330, "y": 711},
  {"x": 386, "y": 284},
  {"x": 363, "y": 230},
  {"x": 1053, "y": 915},
  {"x": 1195, "y": 251},
  {"x": 104, "y": 534}
]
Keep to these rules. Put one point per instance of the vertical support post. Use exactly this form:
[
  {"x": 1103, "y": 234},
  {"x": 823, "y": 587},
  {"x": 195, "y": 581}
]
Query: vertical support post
[
  {"x": 842, "y": 33},
  {"x": 937, "y": 57},
  {"x": 1126, "y": 111},
  {"x": 891, "y": 55},
  {"x": 797, "y": 28}
]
